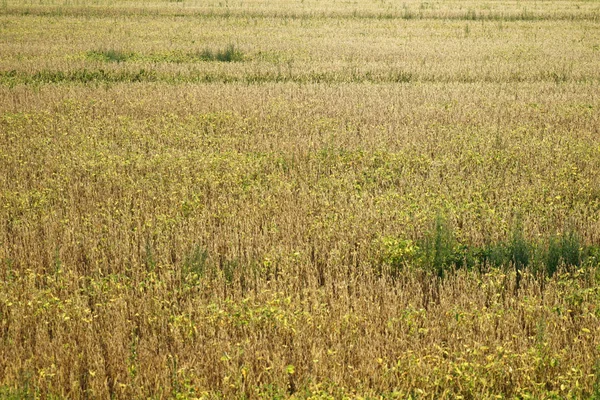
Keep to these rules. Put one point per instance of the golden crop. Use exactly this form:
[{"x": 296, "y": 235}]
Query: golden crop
[{"x": 307, "y": 199}]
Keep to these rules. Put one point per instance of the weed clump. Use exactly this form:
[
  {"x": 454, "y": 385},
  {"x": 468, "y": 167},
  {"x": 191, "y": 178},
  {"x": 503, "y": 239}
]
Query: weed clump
[
  {"x": 440, "y": 252},
  {"x": 562, "y": 250},
  {"x": 439, "y": 248},
  {"x": 229, "y": 54},
  {"x": 110, "y": 55},
  {"x": 195, "y": 265}
]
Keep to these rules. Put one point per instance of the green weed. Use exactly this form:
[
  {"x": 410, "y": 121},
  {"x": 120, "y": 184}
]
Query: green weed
[
  {"x": 110, "y": 55},
  {"x": 229, "y": 54},
  {"x": 195, "y": 264}
]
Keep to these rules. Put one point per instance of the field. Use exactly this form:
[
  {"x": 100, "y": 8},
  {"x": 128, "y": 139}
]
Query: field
[{"x": 302, "y": 199}]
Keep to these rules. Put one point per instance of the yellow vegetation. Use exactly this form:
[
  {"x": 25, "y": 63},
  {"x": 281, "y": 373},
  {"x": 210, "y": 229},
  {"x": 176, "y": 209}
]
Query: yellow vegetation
[{"x": 215, "y": 199}]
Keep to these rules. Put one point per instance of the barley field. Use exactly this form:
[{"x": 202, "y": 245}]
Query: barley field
[{"x": 308, "y": 199}]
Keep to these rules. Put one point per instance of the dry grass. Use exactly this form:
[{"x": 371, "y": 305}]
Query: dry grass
[{"x": 236, "y": 200}]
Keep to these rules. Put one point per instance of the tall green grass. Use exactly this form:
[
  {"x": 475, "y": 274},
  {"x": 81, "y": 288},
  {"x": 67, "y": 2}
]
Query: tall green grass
[{"x": 440, "y": 252}]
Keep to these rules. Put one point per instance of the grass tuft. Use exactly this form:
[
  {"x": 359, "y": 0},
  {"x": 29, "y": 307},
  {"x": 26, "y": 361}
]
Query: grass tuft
[
  {"x": 229, "y": 54},
  {"x": 195, "y": 265},
  {"x": 440, "y": 252},
  {"x": 110, "y": 55}
]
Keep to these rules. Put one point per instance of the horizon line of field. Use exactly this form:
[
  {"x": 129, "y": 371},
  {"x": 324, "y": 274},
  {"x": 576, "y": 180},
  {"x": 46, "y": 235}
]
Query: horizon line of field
[
  {"x": 14, "y": 78},
  {"x": 405, "y": 14}
]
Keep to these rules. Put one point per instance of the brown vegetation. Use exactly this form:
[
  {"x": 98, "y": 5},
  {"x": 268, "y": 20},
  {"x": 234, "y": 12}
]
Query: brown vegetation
[{"x": 281, "y": 200}]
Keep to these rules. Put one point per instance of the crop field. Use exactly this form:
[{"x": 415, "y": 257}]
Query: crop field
[{"x": 308, "y": 199}]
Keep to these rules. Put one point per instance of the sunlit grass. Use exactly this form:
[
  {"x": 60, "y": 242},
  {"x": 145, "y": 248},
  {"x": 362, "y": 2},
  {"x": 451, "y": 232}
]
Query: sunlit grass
[{"x": 299, "y": 200}]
